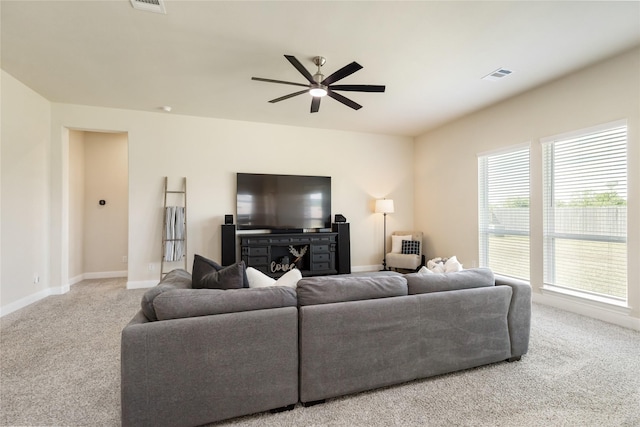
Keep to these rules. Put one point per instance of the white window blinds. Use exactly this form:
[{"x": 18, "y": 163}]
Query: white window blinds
[
  {"x": 503, "y": 208},
  {"x": 585, "y": 211}
]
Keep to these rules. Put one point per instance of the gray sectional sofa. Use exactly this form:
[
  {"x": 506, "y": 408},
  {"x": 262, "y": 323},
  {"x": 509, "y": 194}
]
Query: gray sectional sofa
[{"x": 195, "y": 356}]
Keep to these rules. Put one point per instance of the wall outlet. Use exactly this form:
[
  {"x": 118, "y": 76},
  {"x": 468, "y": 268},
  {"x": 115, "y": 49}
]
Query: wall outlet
[
  {"x": 474, "y": 263},
  {"x": 36, "y": 278},
  {"x": 152, "y": 266},
  {"x": 125, "y": 258}
]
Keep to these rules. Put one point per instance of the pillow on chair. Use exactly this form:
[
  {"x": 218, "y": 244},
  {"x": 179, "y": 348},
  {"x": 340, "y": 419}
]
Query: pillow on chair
[
  {"x": 411, "y": 247},
  {"x": 396, "y": 243}
]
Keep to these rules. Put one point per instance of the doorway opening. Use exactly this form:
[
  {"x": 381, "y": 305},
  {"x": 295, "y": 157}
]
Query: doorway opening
[{"x": 98, "y": 205}]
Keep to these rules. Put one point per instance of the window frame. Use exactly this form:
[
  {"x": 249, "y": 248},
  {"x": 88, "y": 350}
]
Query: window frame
[
  {"x": 483, "y": 206},
  {"x": 548, "y": 215}
]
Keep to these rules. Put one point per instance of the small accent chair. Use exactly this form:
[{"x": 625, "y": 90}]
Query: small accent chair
[{"x": 406, "y": 251}]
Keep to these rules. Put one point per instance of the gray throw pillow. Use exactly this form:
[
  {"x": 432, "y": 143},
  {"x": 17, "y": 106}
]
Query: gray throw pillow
[
  {"x": 227, "y": 278},
  {"x": 203, "y": 266}
]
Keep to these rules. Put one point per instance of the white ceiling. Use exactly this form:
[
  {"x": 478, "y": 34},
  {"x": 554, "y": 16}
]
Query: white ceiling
[{"x": 200, "y": 56}]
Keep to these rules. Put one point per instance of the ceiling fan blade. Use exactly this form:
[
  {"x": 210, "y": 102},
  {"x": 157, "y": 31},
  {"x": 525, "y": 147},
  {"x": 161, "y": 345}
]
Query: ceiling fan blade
[
  {"x": 307, "y": 75},
  {"x": 291, "y": 95},
  {"x": 359, "y": 88},
  {"x": 345, "y": 101},
  {"x": 315, "y": 104},
  {"x": 343, "y": 72},
  {"x": 278, "y": 81}
]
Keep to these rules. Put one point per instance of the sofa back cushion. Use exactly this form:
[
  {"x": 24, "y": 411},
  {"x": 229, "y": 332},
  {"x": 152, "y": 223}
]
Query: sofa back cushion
[
  {"x": 422, "y": 283},
  {"x": 341, "y": 288},
  {"x": 175, "y": 279},
  {"x": 181, "y": 303}
]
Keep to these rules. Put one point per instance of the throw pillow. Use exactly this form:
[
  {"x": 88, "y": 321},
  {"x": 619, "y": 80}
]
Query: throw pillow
[
  {"x": 396, "y": 243},
  {"x": 289, "y": 279},
  {"x": 411, "y": 247},
  {"x": 424, "y": 270},
  {"x": 452, "y": 265},
  {"x": 203, "y": 266},
  {"x": 257, "y": 279},
  {"x": 230, "y": 277}
]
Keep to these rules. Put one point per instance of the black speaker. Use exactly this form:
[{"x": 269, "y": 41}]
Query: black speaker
[
  {"x": 228, "y": 244},
  {"x": 228, "y": 219},
  {"x": 343, "y": 249},
  {"x": 340, "y": 218}
]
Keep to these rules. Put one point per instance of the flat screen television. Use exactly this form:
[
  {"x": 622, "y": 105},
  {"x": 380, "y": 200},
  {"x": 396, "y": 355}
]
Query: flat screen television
[{"x": 283, "y": 202}]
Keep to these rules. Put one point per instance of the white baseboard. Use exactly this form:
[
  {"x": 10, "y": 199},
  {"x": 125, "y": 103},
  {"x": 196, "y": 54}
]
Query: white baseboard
[
  {"x": 97, "y": 275},
  {"x": 614, "y": 315},
  {"x": 140, "y": 284},
  {"x": 30, "y": 299},
  {"x": 105, "y": 274},
  {"x": 79, "y": 278},
  {"x": 58, "y": 290}
]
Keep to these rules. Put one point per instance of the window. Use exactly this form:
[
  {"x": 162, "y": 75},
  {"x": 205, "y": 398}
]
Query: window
[
  {"x": 503, "y": 208},
  {"x": 585, "y": 211}
]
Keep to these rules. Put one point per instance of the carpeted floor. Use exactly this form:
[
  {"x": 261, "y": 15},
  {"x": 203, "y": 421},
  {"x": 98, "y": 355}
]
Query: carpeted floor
[{"x": 60, "y": 366}]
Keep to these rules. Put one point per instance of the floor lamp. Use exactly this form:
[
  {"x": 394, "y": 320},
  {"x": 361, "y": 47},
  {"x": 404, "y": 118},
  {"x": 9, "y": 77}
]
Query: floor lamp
[{"x": 384, "y": 206}]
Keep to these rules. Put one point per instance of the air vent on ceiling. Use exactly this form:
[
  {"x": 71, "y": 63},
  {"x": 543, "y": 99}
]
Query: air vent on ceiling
[
  {"x": 497, "y": 74},
  {"x": 156, "y": 6}
]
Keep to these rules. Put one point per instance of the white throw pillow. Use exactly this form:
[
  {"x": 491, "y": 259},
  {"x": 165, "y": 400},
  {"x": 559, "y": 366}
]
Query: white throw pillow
[
  {"x": 396, "y": 243},
  {"x": 452, "y": 265},
  {"x": 289, "y": 279},
  {"x": 424, "y": 270},
  {"x": 431, "y": 264},
  {"x": 257, "y": 279},
  {"x": 438, "y": 268}
]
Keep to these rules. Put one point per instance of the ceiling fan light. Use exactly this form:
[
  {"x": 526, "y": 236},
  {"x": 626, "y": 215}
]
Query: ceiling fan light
[{"x": 318, "y": 91}]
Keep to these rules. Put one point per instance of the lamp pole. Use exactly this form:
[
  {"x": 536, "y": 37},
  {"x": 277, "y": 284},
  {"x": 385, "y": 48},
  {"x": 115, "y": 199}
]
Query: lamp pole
[
  {"x": 384, "y": 243},
  {"x": 384, "y": 206}
]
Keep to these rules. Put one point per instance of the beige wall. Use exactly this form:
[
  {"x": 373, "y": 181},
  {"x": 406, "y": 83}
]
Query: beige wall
[
  {"x": 105, "y": 237},
  {"x": 25, "y": 169},
  {"x": 209, "y": 152},
  {"x": 76, "y": 205},
  {"x": 446, "y": 181}
]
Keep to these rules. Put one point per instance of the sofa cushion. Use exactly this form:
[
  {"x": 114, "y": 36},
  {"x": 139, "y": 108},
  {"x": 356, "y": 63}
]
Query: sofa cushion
[
  {"x": 422, "y": 283},
  {"x": 330, "y": 289},
  {"x": 203, "y": 266},
  {"x": 182, "y": 303},
  {"x": 175, "y": 279}
]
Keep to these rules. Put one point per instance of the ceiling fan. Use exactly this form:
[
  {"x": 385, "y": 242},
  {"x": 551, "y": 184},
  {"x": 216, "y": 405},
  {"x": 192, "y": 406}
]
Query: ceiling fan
[{"x": 319, "y": 85}]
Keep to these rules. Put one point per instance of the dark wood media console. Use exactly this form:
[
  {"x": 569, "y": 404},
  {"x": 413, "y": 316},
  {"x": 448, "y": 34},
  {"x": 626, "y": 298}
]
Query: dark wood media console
[{"x": 313, "y": 254}]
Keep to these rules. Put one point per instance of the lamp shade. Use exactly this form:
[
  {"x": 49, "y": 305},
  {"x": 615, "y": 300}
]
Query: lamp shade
[{"x": 384, "y": 206}]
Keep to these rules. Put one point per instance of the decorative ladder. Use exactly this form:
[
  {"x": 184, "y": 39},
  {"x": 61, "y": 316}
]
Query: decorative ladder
[{"x": 174, "y": 228}]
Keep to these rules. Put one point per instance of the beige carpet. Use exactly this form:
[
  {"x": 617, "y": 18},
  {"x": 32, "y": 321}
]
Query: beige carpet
[{"x": 60, "y": 365}]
